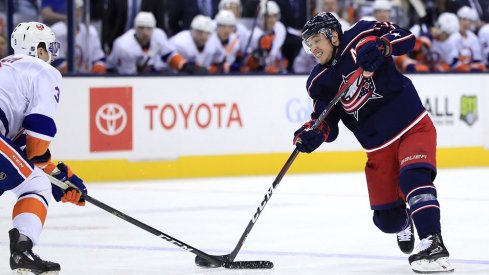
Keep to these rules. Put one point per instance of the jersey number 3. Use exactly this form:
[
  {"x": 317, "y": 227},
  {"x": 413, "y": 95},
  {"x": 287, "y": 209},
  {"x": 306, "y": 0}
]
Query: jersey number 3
[{"x": 56, "y": 94}]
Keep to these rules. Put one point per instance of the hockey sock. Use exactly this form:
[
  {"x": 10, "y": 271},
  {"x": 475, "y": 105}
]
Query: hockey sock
[{"x": 420, "y": 193}]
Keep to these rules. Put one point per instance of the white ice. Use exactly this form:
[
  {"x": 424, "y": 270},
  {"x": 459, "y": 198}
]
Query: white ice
[{"x": 313, "y": 224}]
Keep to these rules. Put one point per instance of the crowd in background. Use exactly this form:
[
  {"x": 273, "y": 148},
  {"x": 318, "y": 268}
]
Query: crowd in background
[{"x": 243, "y": 36}]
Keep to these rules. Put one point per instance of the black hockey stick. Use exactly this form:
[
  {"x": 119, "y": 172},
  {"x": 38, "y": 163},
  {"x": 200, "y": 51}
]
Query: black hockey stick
[
  {"x": 200, "y": 261},
  {"x": 212, "y": 259}
]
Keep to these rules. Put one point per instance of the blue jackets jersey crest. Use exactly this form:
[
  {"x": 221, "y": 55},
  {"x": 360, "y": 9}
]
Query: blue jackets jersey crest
[{"x": 375, "y": 109}]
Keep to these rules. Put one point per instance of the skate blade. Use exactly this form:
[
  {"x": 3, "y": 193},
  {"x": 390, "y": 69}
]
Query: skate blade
[
  {"x": 23, "y": 271},
  {"x": 440, "y": 265}
]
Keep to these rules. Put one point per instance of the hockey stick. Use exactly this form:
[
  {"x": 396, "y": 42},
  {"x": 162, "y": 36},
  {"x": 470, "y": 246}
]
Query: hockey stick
[
  {"x": 212, "y": 259},
  {"x": 200, "y": 261}
]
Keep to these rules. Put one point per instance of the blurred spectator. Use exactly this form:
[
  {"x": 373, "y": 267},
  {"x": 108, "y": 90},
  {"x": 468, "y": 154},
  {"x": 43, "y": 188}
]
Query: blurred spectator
[
  {"x": 480, "y": 6},
  {"x": 382, "y": 10},
  {"x": 26, "y": 11},
  {"x": 266, "y": 42},
  {"x": 159, "y": 9},
  {"x": 241, "y": 31},
  {"x": 3, "y": 46},
  {"x": 484, "y": 41},
  {"x": 304, "y": 63},
  {"x": 53, "y": 11},
  {"x": 333, "y": 7},
  {"x": 226, "y": 38},
  {"x": 182, "y": 12},
  {"x": 89, "y": 57},
  {"x": 467, "y": 55},
  {"x": 293, "y": 14},
  {"x": 118, "y": 18},
  {"x": 196, "y": 47},
  {"x": 144, "y": 49},
  {"x": 442, "y": 46},
  {"x": 419, "y": 59}
]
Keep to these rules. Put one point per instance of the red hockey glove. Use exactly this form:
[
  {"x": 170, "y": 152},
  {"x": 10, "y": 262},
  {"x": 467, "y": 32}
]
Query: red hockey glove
[
  {"x": 307, "y": 140},
  {"x": 372, "y": 51}
]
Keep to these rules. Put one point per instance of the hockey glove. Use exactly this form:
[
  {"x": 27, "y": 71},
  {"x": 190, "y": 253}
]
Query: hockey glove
[
  {"x": 372, "y": 52},
  {"x": 63, "y": 173},
  {"x": 307, "y": 140},
  {"x": 192, "y": 68}
]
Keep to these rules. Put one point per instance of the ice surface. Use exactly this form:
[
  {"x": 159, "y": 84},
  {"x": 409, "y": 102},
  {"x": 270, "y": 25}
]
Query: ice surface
[{"x": 313, "y": 224}]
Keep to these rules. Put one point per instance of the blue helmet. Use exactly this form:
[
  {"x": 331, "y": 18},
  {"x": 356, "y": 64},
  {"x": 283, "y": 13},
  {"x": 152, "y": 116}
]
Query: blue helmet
[{"x": 323, "y": 22}]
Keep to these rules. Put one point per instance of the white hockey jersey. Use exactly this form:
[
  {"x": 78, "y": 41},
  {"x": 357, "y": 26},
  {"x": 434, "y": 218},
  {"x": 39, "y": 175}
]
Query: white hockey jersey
[
  {"x": 127, "y": 54},
  {"x": 29, "y": 95},
  {"x": 276, "y": 52},
  {"x": 211, "y": 54},
  {"x": 230, "y": 49},
  {"x": 88, "y": 49},
  {"x": 466, "y": 48},
  {"x": 484, "y": 42}
]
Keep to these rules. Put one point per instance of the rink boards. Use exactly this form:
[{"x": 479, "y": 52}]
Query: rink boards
[{"x": 128, "y": 128}]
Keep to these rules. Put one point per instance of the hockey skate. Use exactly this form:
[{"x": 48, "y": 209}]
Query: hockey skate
[
  {"x": 405, "y": 238},
  {"x": 23, "y": 261},
  {"x": 432, "y": 256}
]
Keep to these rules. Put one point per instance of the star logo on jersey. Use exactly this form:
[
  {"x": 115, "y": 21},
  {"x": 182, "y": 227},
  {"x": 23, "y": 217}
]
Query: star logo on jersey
[
  {"x": 396, "y": 34},
  {"x": 359, "y": 93}
]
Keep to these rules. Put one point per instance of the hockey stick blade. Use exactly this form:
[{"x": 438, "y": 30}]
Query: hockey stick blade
[
  {"x": 249, "y": 265},
  {"x": 200, "y": 261}
]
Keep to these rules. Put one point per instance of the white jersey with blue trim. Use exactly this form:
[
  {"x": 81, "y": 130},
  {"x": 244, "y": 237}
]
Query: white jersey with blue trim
[
  {"x": 29, "y": 94},
  {"x": 212, "y": 53}
]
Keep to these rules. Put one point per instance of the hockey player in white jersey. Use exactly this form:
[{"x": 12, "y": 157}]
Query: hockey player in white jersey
[
  {"x": 265, "y": 53},
  {"x": 146, "y": 48},
  {"x": 89, "y": 56},
  {"x": 241, "y": 31},
  {"x": 30, "y": 90},
  {"x": 446, "y": 26},
  {"x": 466, "y": 55},
  {"x": 226, "y": 38},
  {"x": 196, "y": 46}
]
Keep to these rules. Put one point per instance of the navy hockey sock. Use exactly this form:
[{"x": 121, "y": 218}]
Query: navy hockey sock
[{"x": 420, "y": 193}]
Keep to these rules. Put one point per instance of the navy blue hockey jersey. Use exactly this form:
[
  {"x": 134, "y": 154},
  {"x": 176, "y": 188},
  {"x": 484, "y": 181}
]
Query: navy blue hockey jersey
[{"x": 377, "y": 109}]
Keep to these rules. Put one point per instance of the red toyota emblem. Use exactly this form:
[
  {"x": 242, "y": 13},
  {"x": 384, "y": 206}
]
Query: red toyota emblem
[{"x": 40, "y": 26}]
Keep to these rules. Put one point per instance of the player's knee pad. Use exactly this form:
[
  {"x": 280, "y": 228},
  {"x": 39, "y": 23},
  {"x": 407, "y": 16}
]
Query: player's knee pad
[
  {"x": 417, "y": 185},
  {"x": 391, "y": 220},
  {"x": 36, "y": 185}
]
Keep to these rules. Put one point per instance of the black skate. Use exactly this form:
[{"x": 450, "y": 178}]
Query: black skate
[
  {"x": 432, "y": 256},
  {"x": 405, "y": 238},
  {"x": 23, "y": 261}
]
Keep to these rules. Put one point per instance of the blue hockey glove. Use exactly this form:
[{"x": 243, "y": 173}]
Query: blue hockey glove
[
  {"x": 63, "y": 173},
  {"x": 372, "y": 52},
  {"x": 307, "y": 140}
]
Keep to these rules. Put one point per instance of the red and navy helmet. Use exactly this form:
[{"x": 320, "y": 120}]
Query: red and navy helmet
[{"x": 323, "y": 22}]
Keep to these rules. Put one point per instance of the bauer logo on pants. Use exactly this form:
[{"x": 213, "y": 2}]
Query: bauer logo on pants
[{"x": 110, "y": 119}]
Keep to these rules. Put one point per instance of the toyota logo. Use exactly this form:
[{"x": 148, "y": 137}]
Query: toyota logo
[{"x": 111, "y": 119}]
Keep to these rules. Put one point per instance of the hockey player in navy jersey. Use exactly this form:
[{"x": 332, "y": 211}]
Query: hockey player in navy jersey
[{"x": 385, "y": 113}]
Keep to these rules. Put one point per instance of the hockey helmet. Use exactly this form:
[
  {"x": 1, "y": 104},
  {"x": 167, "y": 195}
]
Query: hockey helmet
[
  {"x": 202, "y": 23},
  {"x": 145, "y": 19},
  {"x": 467, "y": 13},
  {"x": 382, "y": 5},
  {"x": 448, "y": 22},
  {"x": 224, "y": 4},
  {"x": 270, "y": 8},
  {"x": 324, "y": 23},
  {"x": 26, "y": 38},
  {"x": 226, "y": 18},
  {"x": 78, "y": 3}
]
